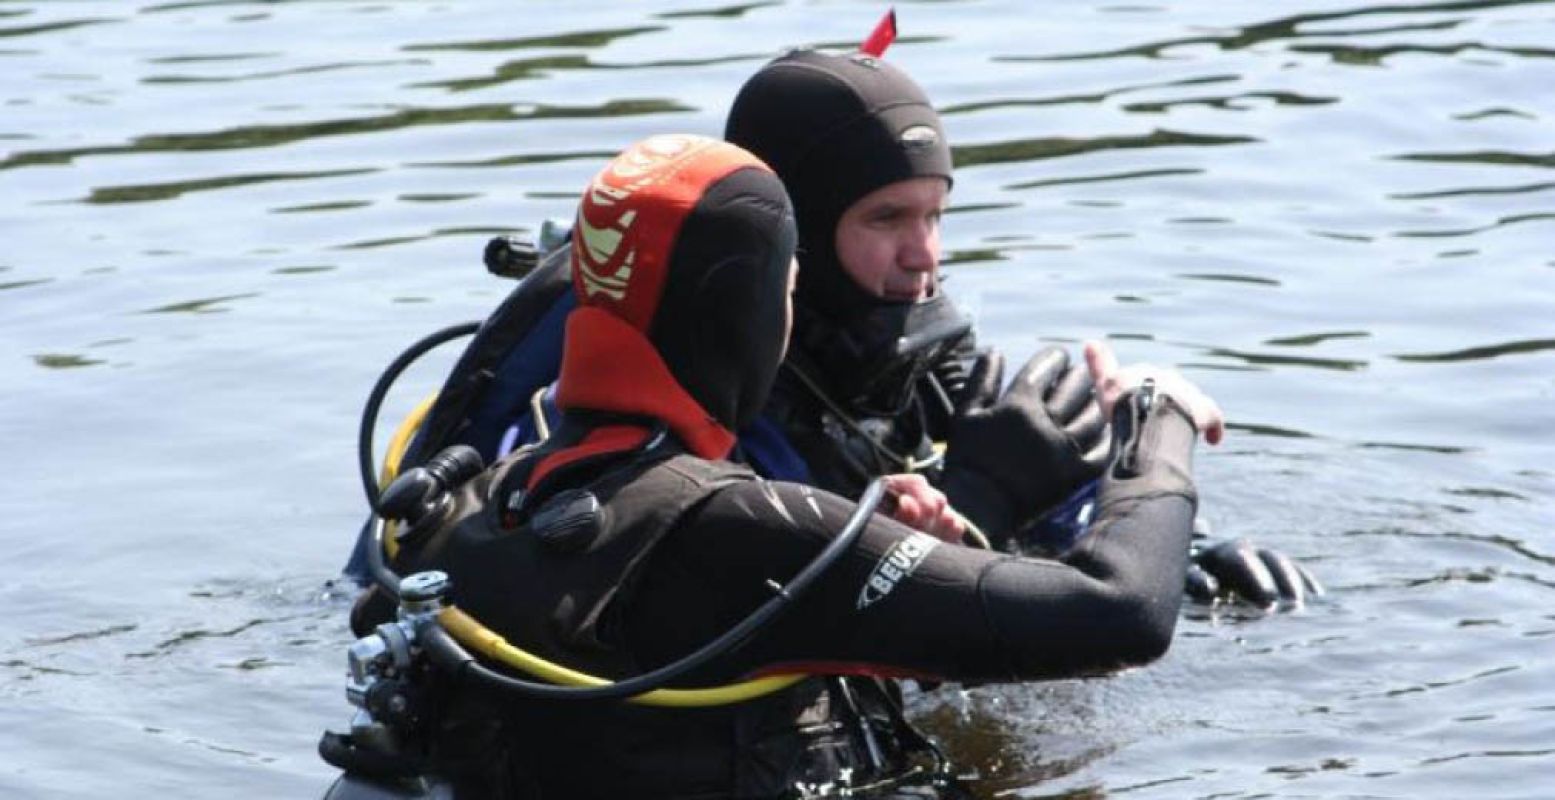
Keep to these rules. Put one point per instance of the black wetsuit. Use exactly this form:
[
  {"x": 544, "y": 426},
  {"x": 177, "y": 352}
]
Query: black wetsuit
[
  {"x": 626, "y": 541},
  {"x": 844, "y": 448},
  {"x": 898, "y": 603},
  {"x": 961, "y": 614}
]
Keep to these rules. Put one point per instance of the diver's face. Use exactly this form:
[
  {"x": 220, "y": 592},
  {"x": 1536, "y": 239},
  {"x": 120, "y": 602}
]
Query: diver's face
[{"x": 888, "y": 241}]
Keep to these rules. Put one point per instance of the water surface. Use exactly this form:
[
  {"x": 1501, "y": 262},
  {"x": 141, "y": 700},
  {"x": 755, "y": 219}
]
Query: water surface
[{"x": 223, "y": 218}]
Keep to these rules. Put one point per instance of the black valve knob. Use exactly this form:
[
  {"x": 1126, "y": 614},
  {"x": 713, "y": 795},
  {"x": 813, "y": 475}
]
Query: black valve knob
[
  {"x": 511, "y": 257},
  {"x": 452, "y": 466},
  {"x": 406, "y": 498},
  {"x": 420, "y": 499}
]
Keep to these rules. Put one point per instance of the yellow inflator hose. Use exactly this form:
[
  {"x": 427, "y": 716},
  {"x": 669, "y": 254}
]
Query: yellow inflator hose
[
  {"x": 487, "y": 642},
  {"x": 394, "y": 455},
  {"x": 470, "y": 633}
]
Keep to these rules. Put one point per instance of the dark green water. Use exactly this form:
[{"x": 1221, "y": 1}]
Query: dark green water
[{"x": 221, "y": 219}]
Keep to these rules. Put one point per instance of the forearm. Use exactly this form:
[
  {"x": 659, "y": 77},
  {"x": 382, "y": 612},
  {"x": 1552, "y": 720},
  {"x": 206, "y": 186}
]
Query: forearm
[
  {"x": 1110, "y": 602},
  {"x": 1115, "y": 605},
  {"x": 947, "y": 612},
  {"x": 1137, "y": 549},
  {"x": 972, "y": 615}
]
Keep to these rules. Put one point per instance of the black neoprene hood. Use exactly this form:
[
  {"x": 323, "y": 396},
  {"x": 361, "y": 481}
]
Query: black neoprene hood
[
  {"x": 721, "y": 319},
  {"x": 835, "y": 128}
]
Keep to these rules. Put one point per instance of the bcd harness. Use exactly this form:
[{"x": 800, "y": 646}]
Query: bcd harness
[{"x": 558, "y": 544}]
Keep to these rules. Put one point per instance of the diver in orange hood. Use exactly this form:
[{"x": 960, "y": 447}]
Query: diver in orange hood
[{"x": 625, "y": 541}]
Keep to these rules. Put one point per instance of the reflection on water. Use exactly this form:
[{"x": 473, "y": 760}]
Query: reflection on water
[
  {"x": 1336, "y": 219},
  {"x": 1292, "y": 28},
  {"x": 1479, "y": 353},
  {"x": 989, "y": 105},
  {"x": 64, "y": 360},
  {"x": 1270, "y": 359},
  {"x": 52, "y": 27},
  {"x": 1374, "y": 56},
  {"x": 207, "y": 305},
  {"x": 276, "y": 135},
  {"x": 254, "y": 76},
  {"x": 1209, "y": 276},
  {"x": 1035, "y": 149},
  {"x": 544, "y": 65},
  {"x": 1236, "y": 102},
  {"x": 581, "y": 39},
  {"x": 1478, "y": 190},
  {"x": 1493, "y": 158},
  {"x": 516, "y": 161},
  {"x": 1314, "y": 338},
  {"x": 1121, "y": 176},
  {"x": 141, "y": 194}
]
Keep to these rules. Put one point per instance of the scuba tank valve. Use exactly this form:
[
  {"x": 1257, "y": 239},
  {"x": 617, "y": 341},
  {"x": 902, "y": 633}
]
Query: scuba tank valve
[
  {"x": 515, "y": 256},
  {"x": 419, "y": 498},
  {"x": 511, "y": 257},
  {"x": 386, "y": 683},
  {"x": 442, "y": 633}
]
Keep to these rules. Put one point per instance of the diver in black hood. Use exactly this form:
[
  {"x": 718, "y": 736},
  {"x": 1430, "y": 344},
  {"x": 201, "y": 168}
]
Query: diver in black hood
[
  {"x": 883, "y": 375},
  {"x": 625, "y": 541},
  {"x": 882, "y": 365}
]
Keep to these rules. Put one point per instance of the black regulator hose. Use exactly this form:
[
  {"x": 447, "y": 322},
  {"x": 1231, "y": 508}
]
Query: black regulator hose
[
  {"x": 364, "y": 438},
  {"x": 451, "y": 656},
  {"x": 386, "y": 579}
]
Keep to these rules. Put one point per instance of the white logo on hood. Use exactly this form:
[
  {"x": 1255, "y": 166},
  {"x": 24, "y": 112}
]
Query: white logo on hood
[
  {"x": 605, "y": 216},
  {"x": 919, "y": 136}
]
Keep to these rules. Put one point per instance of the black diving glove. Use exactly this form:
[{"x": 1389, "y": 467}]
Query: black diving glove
[
  {"x": 1237, "y": 569},
  {"x": 1012, "y": 457}
]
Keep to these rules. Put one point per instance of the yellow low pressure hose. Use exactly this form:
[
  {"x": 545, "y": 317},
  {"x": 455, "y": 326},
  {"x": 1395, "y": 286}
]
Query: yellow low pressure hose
[
  {"x": 487, "y": 642},
  {"x": 401, "y": 441},
  {"x": 475, "y": 636},
  {"x": 394, "y": 455}
]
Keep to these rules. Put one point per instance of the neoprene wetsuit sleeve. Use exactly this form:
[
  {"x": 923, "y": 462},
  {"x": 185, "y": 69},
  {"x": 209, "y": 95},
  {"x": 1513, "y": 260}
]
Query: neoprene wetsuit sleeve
[{"x": 903, "y": 603}]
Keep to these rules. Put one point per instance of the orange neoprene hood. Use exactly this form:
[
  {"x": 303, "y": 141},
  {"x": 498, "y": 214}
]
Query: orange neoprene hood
[{"x": 673, "y": 238}]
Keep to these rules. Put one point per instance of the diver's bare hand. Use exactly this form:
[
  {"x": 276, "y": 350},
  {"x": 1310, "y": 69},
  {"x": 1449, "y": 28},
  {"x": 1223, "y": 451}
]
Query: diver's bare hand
[
  {"x": 1112, "y": 381},
  {"x": 916, "y": 504}
]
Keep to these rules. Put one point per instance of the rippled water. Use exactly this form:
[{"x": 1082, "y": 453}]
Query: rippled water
[{"x": 221, "y": 219}]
